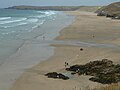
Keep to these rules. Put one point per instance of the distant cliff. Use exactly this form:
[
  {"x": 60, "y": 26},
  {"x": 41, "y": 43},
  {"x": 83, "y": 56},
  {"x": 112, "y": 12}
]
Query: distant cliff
[
  {"x": 56, "y": 8},
  {"x": 112, "y": 10}
]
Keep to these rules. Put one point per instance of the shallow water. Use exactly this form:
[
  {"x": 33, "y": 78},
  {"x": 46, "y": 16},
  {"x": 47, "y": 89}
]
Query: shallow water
[
  {"x": 17, "y": 50},
  {"x": 17, "y": 26},
  {"x": 75, "y": 43}
]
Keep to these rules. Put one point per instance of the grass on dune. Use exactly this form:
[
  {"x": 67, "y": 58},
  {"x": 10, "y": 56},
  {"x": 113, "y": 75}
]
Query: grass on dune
[{"x": 110, "y": 87}]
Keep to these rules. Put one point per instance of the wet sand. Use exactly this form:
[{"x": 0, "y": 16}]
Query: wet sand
[{"x": 87, "y": 28}]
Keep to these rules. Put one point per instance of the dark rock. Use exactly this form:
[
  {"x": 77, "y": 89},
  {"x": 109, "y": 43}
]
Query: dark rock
[
  {"x": 111, "y": 10},
  {"x": 104, "y": 71},
  {"x": 73, "y": 73},
  {"x": 61, "y": 76},
  {"x": 116, "y": 17},
  {"x": 51, "y": 75},
  {"x": 110, "y": 15},
  {"x": 101, "y": 13},
  {"x": 105, "y": 78},
  {"x": 57, "y": 75}
]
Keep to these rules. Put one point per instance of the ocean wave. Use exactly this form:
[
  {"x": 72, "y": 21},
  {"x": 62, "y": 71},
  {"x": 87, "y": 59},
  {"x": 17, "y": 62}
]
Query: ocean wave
[
  {"x": 48, "y": 13},
  {"x": 38, "y": 25},
  {"x": 32, "y": 20},
  {"x": 12, "y": 21},
  {"x": 38, "y": 16},
  {"x": 15, "y": 25},
  {"x": 4, "y": 18},
  {"x": 7, "y": 33}
]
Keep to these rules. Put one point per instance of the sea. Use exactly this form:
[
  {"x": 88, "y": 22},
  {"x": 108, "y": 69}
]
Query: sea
[
  {"x": 17, "y": 26},
  {"x": 25, "y": 38}
]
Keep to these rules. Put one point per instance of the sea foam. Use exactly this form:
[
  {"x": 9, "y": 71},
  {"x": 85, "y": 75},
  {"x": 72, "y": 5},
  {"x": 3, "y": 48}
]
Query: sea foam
[
  {"x": 12, "y": 21},
  {"x": 15, "y": 25},
  {"x": 4, "y": 18}
]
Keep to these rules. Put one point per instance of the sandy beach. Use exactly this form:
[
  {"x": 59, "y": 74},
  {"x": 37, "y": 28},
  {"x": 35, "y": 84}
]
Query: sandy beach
[{"x": 101, "y": 40}]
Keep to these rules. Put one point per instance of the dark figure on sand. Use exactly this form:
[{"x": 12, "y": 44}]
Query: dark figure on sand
[
  {"x": 66, "y": 64},
  {"x": 43, "y": 37},
  {"x": 81, "y": 49}
]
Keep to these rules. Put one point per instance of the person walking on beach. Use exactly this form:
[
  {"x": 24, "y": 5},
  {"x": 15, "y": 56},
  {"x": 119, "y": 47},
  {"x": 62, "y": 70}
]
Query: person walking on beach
[
  {"x": 66, "y": 64},
  {"x": 43, "y": 37}
]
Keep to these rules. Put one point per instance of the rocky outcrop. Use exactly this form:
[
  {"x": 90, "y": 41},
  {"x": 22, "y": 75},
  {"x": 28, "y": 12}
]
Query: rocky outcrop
[
  {"x": 112, "y": 11},
  {"x": 103, "y": 71},
  {"x": 56, "y": 75}
]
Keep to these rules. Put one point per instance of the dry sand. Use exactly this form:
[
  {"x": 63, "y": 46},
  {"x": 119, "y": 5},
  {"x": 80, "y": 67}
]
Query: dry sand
[{"x": 86, "y": 28}]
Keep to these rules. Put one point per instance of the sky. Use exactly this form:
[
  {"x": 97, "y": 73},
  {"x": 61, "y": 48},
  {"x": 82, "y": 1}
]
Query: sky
[{"x": 8, "y": 3}]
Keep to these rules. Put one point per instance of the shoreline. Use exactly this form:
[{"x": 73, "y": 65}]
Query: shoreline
[
  {"x": 34, "y": 78},
  {"x": 33, "y": 51}
]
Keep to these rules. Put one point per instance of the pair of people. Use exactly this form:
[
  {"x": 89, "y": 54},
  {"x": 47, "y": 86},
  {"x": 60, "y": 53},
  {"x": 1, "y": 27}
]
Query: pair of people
[{"x": 66, "y": 64}]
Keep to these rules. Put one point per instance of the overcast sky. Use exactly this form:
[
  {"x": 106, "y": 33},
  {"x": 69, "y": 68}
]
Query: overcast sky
[{"x": 7, "y": 3}]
